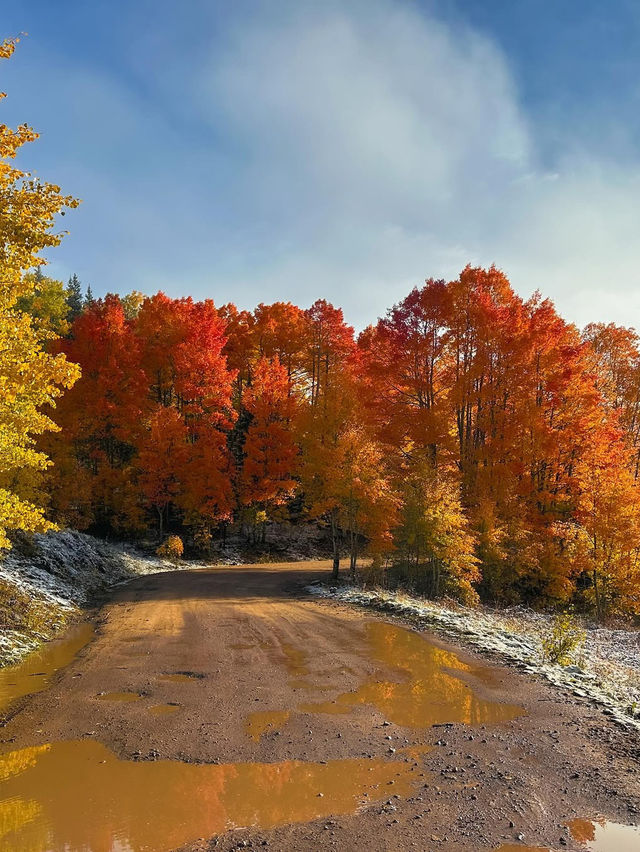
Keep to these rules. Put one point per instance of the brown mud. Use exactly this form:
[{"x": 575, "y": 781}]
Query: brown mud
[{"x": 297, "y": 724}]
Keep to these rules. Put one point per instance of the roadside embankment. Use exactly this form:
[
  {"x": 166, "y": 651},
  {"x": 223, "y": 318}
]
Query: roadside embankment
[
  {"x": 46, "y": 580},
  {"x": 606, "y": 670}
]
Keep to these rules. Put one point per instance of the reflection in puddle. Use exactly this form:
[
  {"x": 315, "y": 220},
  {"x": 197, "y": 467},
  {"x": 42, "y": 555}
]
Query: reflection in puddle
[
  {"x": 265, "y": 720},
  {"x": 119, "y": 696},
  {"x": 425, "y": 693},
  {"x": 34, "y": 673},
  {"x": 78, "y": 795},
  {"x": 295, "y": 661},
  {"x": 603, "y": 836},
  {"x": 164, "y": 709}
]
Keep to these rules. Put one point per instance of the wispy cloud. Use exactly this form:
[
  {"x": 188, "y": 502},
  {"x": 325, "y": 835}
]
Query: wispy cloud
[{"x": 344, "y": 150}]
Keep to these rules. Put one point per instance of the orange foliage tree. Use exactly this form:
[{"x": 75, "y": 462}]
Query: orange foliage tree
[
  {"x": 270, "y": 451},
  {"x": 473, "y": 441}
]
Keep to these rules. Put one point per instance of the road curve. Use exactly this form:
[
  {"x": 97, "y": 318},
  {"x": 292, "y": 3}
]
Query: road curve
[{"x": 221, "y": 706}]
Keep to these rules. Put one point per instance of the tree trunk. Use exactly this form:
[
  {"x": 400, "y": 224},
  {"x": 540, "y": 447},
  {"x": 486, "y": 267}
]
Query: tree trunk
[
  {"x": 336, "y": 546},
  {"x": 160, "y": 522},
  {"x": 599, "y": 601},
  {"x": 353, "y": 556}
]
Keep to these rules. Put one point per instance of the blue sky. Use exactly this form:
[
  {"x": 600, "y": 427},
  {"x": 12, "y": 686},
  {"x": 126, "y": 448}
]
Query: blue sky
[{"x": 254, "y": 151}]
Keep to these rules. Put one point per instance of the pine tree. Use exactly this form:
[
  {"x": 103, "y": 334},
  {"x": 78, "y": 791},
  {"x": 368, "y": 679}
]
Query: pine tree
[{"x": 74, "y": 297}]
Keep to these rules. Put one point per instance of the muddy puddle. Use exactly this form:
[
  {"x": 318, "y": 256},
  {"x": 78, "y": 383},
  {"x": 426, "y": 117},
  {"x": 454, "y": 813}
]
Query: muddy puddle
[
  {"x": 593, "y": 836},
  {"x": 426, "y": 691},
  {"x": 78, "y": 795},
  {"x": 296, "y": 664},
  {"x": 262, "y": 721},
  {"x": 427, "y": 688},
  {"x": 34, "y": 673},
  {"x": 601, "y": 835},
  {"x": 164, "y": 709}
]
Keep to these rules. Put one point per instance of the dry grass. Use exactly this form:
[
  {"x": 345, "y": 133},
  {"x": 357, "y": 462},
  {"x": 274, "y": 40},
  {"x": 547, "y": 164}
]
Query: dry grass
[{"x": 25, "y": 614}]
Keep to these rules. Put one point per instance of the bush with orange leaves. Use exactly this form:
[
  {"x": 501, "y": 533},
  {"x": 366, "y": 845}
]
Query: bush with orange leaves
[{"x": 171, "y": 548}]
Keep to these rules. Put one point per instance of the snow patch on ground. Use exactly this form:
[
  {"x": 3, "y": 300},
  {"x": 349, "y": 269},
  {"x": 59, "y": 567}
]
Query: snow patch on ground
[
  {"x": 606, "y": 671},
  {"x": 60, "y": 573}
]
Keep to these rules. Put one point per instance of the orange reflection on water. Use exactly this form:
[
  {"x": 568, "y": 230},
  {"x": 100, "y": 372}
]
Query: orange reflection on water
[
  {"x": 164, "y": 709},
  {"x": 601, "y": 835},
  {"x": 33, "y": 674},
  {"x": 125, "y": 697},
  {"x": 426, "y": 691},
  {"x": 265, "y": 720},
  {"x": 77, "y": 795}
]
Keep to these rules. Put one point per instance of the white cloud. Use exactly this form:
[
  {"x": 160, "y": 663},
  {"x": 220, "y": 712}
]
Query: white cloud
[
  {"x": 380, "y": 146},
  {"x": 345, "y": 149}
]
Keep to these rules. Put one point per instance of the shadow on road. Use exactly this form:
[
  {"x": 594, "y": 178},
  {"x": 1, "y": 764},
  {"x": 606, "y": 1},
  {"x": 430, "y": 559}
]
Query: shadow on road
[{"x": 275, "y": 582}]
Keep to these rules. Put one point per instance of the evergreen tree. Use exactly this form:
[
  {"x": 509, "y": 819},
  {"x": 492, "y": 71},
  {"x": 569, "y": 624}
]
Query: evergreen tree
[
  {"x": 88, "y": 299},
  {"x": 74, "y": 297}
]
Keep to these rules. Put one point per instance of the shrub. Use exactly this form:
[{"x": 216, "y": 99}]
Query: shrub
[
  {"x": 564, "y": 638},
  {"x": 373, "y": 574},
  {"x": 171, "y": 548},
  {"x": 202, "y": 539}
]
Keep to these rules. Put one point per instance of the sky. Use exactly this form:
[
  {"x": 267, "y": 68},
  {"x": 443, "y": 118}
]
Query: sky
[{"x": 254, "y": 151}]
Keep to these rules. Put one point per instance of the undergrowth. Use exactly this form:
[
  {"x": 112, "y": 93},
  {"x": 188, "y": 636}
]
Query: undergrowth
[{"x": 25, "y": 614}]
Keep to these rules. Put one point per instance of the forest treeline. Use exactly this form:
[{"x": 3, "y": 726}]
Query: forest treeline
[{"x": 470, "y": 442}]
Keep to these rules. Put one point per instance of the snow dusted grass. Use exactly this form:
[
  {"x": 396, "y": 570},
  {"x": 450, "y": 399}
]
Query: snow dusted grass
[
  {"x": 47, "y": 580},
  {"x": 606, "y": 670}
]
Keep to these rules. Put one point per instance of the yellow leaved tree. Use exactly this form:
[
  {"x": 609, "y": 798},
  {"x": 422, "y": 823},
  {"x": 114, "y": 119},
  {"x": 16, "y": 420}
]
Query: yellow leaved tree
[{"x": 30, "y": 378}]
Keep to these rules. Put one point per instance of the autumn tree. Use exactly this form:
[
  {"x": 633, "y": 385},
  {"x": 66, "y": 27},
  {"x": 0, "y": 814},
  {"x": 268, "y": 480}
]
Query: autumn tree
[
  {"x": 328, "y": 415},
  {"x": 435, "y": 548},
  {"x": 30, "y": 378},
  {"x": 496, "y": 395},
  {"x": 47, "y": 305},
  {"x": 161, "y": 461},
  {"x": 363, "y": 491},
  {"x": 183, "y": 356},
  {"x": 270, "y": 453},
  {"x": 101, "y": 420},
  {"x": 601, "y": 542},
  {"x": 281, "y": 331},
  {"x": 614, "y": 353}
]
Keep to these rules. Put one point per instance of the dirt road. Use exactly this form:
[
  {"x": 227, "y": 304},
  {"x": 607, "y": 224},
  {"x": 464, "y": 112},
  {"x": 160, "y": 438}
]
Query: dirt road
[{"x": 220, "y": 709}]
